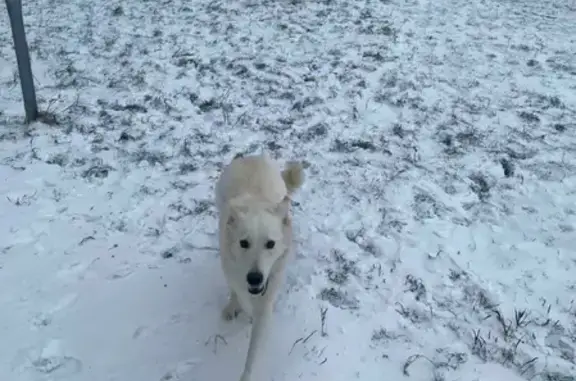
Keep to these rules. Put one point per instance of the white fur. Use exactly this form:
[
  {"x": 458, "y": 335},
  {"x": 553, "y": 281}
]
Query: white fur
[{"x": 253, "y": 200}]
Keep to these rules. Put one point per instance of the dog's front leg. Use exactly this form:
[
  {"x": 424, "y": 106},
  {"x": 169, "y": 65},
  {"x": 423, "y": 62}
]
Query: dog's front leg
[
  {"x": 233, "y": 307},
  {"x": 262, "y": 316}
]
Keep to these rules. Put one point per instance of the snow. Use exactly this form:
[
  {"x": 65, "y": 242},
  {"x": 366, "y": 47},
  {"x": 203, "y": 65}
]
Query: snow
[{"x": 435, "y": 232}]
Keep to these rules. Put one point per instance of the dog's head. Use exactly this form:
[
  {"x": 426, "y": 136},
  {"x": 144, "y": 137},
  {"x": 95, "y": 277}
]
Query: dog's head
[{"x": 257, "y": 238}]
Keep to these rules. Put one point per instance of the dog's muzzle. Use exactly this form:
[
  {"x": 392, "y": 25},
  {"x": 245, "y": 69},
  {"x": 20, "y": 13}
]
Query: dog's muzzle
[{"x": 259, "y": 290}]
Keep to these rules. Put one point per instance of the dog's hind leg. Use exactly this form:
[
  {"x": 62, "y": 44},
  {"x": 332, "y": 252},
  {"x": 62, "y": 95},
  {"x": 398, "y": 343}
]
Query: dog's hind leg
[
  {"x": 259, "y": 327},
  {"x": 233, "y": 307}
]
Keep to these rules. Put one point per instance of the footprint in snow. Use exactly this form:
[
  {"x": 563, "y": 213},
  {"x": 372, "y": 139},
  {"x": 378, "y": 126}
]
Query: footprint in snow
[
  {"x": 139, "y": 331},
  {"x": 45, "y": 318},
  {"x": 121, "y": 273},
  {"x": 75, "y": 271},
  {"x": 181, "y": 370},
  {"x": 50, "y": 360},
  {"x": 60, "y": 366}
]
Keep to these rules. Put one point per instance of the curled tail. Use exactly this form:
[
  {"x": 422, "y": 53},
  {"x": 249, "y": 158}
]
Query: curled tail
[{"x": 293, "y": 175}]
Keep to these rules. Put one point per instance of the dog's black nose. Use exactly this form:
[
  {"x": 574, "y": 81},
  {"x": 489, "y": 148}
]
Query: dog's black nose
[{"x": 254, "y": 278}]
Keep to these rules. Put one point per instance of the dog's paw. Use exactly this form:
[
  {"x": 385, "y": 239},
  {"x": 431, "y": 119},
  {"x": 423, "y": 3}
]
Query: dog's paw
[{"x": 231, "y": 311}]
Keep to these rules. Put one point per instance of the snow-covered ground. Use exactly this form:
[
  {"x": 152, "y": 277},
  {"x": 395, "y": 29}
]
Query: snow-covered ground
[{"x": 436, "y": 233}]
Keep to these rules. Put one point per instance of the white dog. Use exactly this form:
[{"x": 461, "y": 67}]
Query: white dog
[{"x": 255, "y": 230}]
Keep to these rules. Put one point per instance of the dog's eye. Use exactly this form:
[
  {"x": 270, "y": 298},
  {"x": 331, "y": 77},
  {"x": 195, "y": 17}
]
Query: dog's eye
[
  {"x": 270, "y": 244},
  {"x": 244, "y": 243}
]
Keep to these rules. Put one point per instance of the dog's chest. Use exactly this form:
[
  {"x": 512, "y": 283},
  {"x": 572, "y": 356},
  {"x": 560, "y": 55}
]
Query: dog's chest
[
  {"x": 238, "y": 285},
  {"x": 246, "y": 301}
]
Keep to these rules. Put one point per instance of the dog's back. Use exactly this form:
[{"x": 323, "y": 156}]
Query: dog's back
[{"x": 256, "y": 177}]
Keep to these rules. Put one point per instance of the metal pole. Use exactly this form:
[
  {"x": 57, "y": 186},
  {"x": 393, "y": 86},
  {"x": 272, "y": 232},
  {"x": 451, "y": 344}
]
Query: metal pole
[{"x": 23, "y": 58}]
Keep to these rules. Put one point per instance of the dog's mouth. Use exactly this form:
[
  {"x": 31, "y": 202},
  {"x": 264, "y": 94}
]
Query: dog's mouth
[{"x": 259, "y": 290}]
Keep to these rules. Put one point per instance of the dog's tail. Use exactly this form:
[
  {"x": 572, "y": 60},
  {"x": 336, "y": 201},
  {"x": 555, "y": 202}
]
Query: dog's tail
[{"x": 293, "y": 175}]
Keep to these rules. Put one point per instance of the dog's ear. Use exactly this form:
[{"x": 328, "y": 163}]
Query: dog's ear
[
  {"x": 236, "y": 208},
  {"x": 233, "y": 215},
  {"x": 231, "y": 219}
]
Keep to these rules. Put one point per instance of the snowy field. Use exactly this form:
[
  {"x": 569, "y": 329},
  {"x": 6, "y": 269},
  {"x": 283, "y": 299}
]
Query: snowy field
[{"x": 436, "y": 233}]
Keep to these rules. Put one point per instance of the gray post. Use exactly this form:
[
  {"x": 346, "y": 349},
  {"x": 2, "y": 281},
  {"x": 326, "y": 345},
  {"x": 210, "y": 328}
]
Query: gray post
[{"x": 23, "y": 58}]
